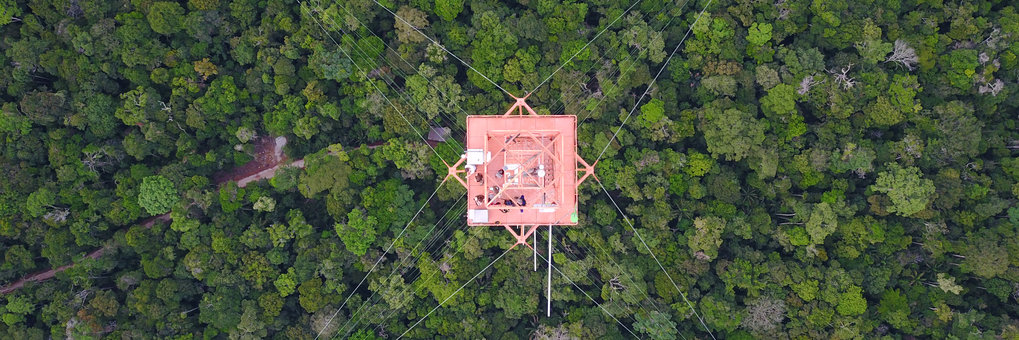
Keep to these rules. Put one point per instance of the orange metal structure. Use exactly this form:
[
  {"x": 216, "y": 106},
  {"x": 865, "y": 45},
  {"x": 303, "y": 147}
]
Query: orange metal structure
[{"x": 521, "y": 170}]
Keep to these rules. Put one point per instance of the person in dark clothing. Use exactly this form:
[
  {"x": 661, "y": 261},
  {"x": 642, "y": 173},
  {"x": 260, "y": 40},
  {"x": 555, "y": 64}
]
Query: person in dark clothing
[
  {"x": 523, "y": 202},
  {"x": 510, "y": 203}
]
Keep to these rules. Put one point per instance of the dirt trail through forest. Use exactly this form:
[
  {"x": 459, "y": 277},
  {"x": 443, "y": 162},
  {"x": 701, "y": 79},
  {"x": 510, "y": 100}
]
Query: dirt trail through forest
[
  {"x": 46, "y": 275},
  {"x": 268, "y": 157}
]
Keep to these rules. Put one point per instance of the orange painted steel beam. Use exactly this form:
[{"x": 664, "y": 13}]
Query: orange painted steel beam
[
  {"x": 453, "y": 172},
  {"x": 522, "y": 236},
  {"x": 588, "y": 170},
  {"x": 520, "y": 105}
]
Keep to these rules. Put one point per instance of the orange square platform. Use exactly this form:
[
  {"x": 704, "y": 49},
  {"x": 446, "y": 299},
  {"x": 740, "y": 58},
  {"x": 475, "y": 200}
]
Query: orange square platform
[{"x": 521, "y": 170}]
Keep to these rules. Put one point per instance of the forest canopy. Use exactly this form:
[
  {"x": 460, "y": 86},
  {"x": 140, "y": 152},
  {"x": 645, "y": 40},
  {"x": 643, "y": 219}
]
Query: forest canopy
[{"x": 263, "y": 169}]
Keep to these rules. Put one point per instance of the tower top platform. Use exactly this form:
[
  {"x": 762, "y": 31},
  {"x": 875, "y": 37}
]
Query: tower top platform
[{"x": 520, "y": 169}]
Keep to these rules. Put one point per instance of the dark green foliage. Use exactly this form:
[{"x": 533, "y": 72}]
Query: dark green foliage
[{"x": 823, "y": 169}]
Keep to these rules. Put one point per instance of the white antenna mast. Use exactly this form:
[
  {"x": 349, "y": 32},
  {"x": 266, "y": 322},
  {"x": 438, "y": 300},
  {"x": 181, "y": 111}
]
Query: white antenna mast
[
  {"x": 548, "y": 294},
  {"x": 535, "y": 248}
]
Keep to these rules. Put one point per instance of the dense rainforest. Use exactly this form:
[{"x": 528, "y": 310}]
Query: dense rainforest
[{"x": 768, "y": 169}]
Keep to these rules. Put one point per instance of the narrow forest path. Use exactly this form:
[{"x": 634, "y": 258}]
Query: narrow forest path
[
  {"x": 48, "y": 274},
  {"x": 269, "y": 158}
]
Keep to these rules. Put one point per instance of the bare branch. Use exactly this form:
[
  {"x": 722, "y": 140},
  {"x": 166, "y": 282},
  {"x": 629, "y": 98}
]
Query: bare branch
[
  {"x": 614, "y": 283},
  {"x": 992, "y": 87},
  {"x": 806, "y": 84},
  {"x": 783, "y": 10},
  {"x": 843, "y": 78},
  {"x": 58, "y": 215},
  {"x": 993, "y": 38},
  {"x": 903, "y": 54}
]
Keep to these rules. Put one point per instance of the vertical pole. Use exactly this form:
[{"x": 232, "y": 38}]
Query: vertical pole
[
  {"x": 535, "y": 249},
  {"x": 548, "y": 293}
]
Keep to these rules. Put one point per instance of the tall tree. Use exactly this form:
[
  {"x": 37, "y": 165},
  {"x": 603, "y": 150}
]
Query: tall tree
[
  {"x": 157, "y": 195},
  {"x": 908, "y": 191}
]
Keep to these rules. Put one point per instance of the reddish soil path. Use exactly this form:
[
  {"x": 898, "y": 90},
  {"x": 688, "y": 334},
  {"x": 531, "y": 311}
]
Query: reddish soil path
[
  {"x": 46, "y": 275},
  {"x": 268, "y": 156}
]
